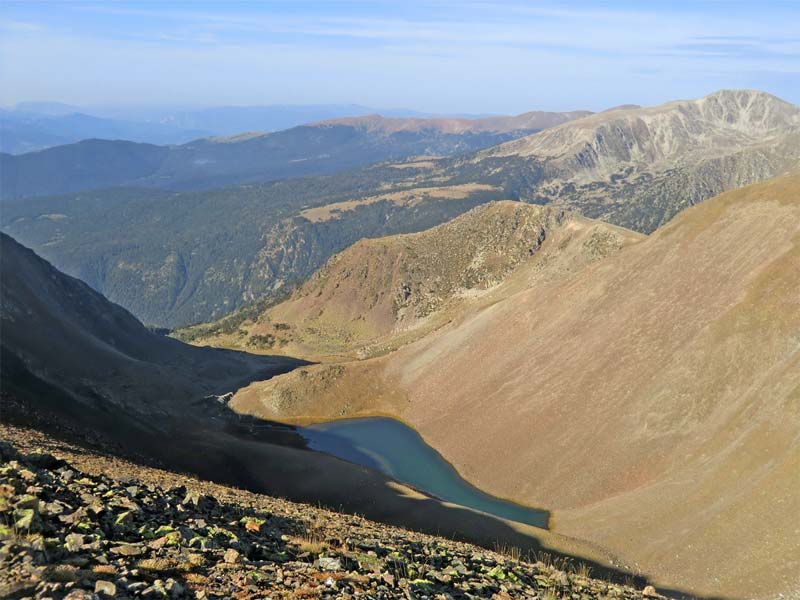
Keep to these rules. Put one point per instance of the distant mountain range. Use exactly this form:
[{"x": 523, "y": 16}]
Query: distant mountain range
[
  {"x": 638, "y": 167},
  {"x": 180, "y": 258},
  {"x": 530, "y": 121},
  {"x": 23, "y": 131},
  {"x": 31, "y": 126},
  {"x": 314, "y": 149}
]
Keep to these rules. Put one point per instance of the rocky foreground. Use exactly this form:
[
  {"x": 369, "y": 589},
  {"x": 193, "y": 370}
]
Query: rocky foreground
[{"x": 77, "y": 524}]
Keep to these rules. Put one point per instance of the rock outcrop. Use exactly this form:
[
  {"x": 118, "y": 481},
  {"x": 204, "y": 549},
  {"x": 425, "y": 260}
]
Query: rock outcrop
[{"x": 638, "y": 167}]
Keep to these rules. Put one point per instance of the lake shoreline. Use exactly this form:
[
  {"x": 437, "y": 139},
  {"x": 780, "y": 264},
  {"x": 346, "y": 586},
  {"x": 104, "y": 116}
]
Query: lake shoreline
[{"x": 398, "y": 451}]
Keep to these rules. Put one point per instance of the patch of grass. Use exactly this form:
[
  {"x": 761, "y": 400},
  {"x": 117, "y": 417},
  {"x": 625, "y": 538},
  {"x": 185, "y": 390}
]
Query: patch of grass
[
  {"x": 556, "y": 563},
  {"x": 196, "y": 579},
  {"x": 313, "y": 546},
  {"x": 582, "y": 570},
  {"x": 312, "y": 540},
  {"x": 367, "y": 559},
  {"x": 512, "y": 552},
  {"x": 62, "y": 573},
  {"x": 196, "y": 560}
]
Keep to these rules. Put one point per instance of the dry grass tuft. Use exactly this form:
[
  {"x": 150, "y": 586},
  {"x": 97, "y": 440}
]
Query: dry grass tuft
[
  {"x": 62, "y": 573},
  {"x": 104, "y": 570},
  {"x": 312, "y": 540},
  {"x": 159, "y": 564},
  {"x": 512, "y": 552}
]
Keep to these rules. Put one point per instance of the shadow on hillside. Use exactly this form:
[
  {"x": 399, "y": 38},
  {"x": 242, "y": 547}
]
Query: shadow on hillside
[
  {"x": 212, "y": 442},
  {"x": 276, "y": 539}
]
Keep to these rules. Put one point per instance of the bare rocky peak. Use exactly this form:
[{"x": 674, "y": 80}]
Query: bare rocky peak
[
  {"x": 750, "y": 111},
  {"x": 716, "y": 125}
]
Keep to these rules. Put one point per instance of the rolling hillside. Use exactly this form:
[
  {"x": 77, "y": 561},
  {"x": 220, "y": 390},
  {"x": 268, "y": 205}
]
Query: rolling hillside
[
  {"x": 530, "y": 121},
  {"x": 79, "y": 367},
  {"x": 649, "y": 398},
  {"x": 178, "y": 259},
  {"x": 24, "y": 131}
]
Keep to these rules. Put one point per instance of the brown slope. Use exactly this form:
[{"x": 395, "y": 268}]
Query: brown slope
[
  {"x": 387, "y": 291},
  {"x": 662, "y": 390},
  {"x": 652, "y": 400},
  {"x": 78, "y": 366},
  {"x": 383, "y": 286},
  {"x": 534, "y": 120}
]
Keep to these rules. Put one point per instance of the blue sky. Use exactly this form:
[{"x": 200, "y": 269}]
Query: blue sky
[{"x": 445, "y": 57}]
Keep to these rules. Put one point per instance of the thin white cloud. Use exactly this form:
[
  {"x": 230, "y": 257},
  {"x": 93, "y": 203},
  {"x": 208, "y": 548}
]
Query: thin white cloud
[
  {"x": 11, "y": 26},
  {"x": 515, "y": 59}
]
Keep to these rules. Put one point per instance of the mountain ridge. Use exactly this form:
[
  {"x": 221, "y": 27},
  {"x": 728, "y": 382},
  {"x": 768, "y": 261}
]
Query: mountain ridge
[
  {"x": 383, "y": 292},
  {"x": 639, "y": 167},
  {"x": 301, "y": 151},
  {"x": 532, "y": 120},
  {"x": 742, "y": 111},
  {"x": 267, "y": 236},
  {"x": 650, "y": 392}
]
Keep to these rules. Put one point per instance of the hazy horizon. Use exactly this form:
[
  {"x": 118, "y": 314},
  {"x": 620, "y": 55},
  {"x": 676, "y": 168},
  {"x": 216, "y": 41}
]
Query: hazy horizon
[{"x": 439, "y": 58}]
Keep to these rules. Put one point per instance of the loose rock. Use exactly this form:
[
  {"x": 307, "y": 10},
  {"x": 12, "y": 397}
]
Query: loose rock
[{"x": 199, "y": 540}]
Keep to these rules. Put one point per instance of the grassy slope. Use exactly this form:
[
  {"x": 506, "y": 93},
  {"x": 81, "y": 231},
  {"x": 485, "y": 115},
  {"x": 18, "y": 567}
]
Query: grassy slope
[
  {"x": 651, "y": 399},
  {"x": 385, "y": 292}
]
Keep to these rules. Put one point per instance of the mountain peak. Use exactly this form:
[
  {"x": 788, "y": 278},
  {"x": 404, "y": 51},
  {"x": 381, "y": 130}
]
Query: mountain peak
[
  {"x": 749, "y": 109},
  {"x": 683, "y": 130},
  {"x": 743, "y": 96}
]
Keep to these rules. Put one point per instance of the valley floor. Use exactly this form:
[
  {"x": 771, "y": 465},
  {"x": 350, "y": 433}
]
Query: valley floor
[{"x": 81, "y": 524}]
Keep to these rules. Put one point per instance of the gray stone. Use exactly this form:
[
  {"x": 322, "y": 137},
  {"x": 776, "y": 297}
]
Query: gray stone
[
  {"x": 74, "y": 542},
  {"x": 105, "y": 587},
  {"x": 232, "y": 556},
  {"x": 81, "y": 595},
  {"x": 128, "y": 550},
  {"x": 329, "y": 564}
]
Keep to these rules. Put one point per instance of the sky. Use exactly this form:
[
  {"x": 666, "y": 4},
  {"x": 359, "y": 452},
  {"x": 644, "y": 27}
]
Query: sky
[{"x": 444, "y": 57}]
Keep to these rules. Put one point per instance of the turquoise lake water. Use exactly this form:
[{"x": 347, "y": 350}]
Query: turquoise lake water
[{"x": 399, "y": 452}]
